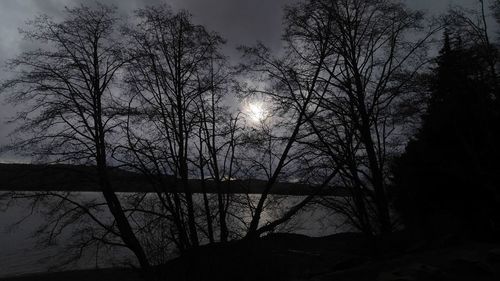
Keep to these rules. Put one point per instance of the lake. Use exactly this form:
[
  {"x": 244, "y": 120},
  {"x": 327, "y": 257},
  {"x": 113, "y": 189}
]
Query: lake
[{"x": 21, "y": 254}]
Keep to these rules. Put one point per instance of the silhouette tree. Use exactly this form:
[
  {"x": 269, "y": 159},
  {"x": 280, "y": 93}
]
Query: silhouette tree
[
  {"x": 67, "y": 87},
  {"x": 291, "y": 84},
  {"x": 449, "y": 168},
  {"x": 175, "y": 80},
  {"x": 375, "y": 52},
  {"x": 218, "y": 134}
]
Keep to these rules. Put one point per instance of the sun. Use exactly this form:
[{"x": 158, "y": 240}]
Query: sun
[{"x": 256, "y": 111}]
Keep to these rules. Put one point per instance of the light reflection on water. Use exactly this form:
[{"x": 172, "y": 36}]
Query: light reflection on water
[{"x": 19, "y": 253}]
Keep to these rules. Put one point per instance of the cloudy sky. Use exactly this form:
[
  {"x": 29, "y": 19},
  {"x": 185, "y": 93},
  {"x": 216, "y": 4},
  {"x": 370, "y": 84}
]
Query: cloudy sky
[{"x": 239, "y": 21}]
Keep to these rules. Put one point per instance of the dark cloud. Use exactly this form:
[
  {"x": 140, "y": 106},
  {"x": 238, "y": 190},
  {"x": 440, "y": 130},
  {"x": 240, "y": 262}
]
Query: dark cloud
[{"x": 239, "y": 21}]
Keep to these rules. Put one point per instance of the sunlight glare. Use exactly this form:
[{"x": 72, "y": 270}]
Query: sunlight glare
[{"x": 256, "y": 111}]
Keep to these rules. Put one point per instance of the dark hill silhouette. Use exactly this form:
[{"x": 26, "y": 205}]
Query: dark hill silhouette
[{"x": 59, "y": 177}]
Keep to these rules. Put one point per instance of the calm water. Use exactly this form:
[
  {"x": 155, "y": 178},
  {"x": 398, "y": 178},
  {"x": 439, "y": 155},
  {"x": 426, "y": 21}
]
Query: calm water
[{"x": 21, "y": 254}]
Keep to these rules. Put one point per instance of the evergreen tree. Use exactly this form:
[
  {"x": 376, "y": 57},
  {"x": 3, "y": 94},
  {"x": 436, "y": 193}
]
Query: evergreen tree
[{"x": 446, "y": 181}]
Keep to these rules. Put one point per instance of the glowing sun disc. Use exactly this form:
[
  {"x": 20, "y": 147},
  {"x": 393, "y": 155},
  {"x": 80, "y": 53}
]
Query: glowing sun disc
[{"x": 256, "y": 111}]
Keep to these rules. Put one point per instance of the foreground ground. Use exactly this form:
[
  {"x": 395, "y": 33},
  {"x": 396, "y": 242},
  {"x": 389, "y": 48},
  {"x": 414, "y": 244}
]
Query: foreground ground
[{"x": 338, "y": 257}]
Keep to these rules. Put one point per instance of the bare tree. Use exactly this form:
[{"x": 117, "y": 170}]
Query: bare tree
[
  {"x": 291, "y": 82},
  {"x": 472, "y": 27},
  {"x": 168, "y": 78},
  {"x": 379, "y": 48},
  {"x": 346, "y": 68},
  {"x": 67, "y": 85},
  {"x": 218, "y": 134}
]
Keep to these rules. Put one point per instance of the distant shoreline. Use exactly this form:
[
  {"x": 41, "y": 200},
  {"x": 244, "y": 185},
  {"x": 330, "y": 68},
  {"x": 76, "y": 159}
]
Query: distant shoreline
[{"x": 39, "y": 178}]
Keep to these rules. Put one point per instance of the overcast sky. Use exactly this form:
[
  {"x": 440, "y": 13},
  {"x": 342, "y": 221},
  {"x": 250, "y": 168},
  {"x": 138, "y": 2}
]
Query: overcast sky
[{"x": 239, "y": 21}]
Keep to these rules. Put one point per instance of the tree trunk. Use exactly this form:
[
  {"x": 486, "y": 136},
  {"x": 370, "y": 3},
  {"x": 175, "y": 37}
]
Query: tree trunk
[{"x": 373, "y": 162}]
